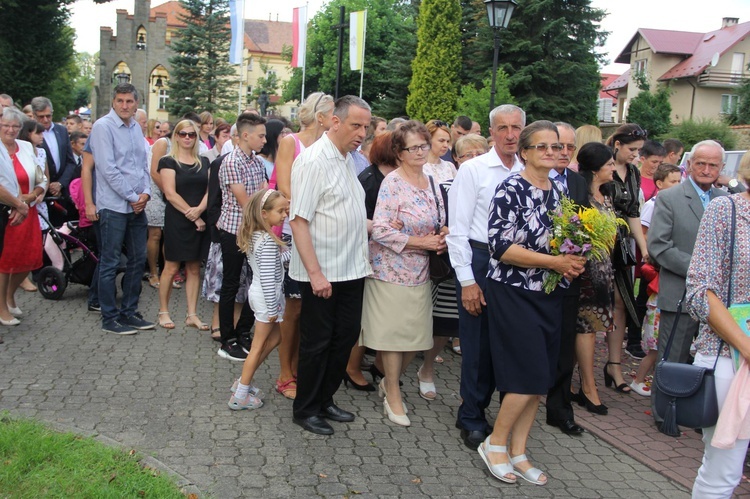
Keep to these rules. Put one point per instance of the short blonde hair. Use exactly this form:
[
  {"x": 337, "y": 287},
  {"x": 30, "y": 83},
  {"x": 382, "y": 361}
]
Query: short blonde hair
[
  {"x": 743, "y": 170},
  {"x": 584, "y": 135},
  {"x": 470, "y": 141}
]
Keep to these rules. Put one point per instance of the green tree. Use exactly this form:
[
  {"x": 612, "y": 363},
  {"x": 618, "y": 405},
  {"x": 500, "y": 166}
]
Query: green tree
[
  {"x": 202, "y": 78},
  {"x": 36, "y": 50},
  {"x": 268, "y": 83},
  {"x": 388, "y": 34},
  {"x": 651, "y": 110},
  {"x": 475, "y": 103},
  {"x": 740, "y": 115},
  {"x": 549, "y": 53},
  {"x": 433, "y": 91},
  {"x": 476, "y": 43},
  {"x": 690, "y": 132}
]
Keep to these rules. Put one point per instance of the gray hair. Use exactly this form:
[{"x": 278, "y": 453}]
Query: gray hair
[
  {"x": 140, "y": 112},
  {"x": 7, "y": 97},
  {"x": 125, "y": 88},
  {"x": 316, "y": 102},
  {"x": 524, "y": 139},
  {"x": 342, "y": 105},
  {"x": 708, "y": 143},
  {"x": 562, "y": 124},
  {"x": 394, "y": 123},
  {"x": 39, "y": 104},
  {"x": 12, "y": 114},
  {"x": 507, "y": 109}
]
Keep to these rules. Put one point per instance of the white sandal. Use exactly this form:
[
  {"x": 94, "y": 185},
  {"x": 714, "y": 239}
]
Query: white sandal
[
  {"x": 499, "y": 471},
  {"x": 531, "y": 475},
  {"x": 425, "y": 389}
]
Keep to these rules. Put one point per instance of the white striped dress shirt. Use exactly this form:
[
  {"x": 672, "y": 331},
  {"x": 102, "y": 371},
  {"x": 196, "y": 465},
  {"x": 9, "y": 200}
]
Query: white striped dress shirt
[{"x": 327, "y": 194}]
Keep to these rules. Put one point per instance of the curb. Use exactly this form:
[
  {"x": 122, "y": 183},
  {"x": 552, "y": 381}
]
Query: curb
[{"x": 185, "y": 484}]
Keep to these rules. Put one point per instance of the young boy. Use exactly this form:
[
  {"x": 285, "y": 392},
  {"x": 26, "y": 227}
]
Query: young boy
[
  {"x": 666, "y": 176},
  {"x": 652, "y": 155}
]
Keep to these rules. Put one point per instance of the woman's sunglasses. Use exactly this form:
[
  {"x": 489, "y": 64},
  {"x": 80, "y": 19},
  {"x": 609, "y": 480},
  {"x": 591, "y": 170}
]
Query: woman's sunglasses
[{"x": 190, "y": 135}]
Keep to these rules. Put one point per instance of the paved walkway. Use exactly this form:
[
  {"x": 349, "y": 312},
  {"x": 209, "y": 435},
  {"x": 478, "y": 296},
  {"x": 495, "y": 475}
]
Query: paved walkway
[{"x": 165, "y": 393}]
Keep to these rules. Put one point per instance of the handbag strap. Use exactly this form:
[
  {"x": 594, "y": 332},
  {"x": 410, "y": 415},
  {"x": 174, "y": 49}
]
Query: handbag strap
[
  {"x": 729, "y": 290},
  {"x": 437, "y": 204}
]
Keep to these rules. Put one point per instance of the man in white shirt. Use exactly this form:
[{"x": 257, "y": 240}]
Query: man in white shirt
[
  {"x": 468, "y": 208},
  {"x": 330, "y": 259}
]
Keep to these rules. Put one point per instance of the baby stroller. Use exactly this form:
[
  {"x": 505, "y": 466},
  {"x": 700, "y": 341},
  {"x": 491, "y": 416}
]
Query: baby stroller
[{"x": 70, "y": 258}]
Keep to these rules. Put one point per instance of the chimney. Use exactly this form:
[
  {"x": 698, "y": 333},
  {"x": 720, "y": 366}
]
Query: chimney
[{"x": 728, "y": 22}]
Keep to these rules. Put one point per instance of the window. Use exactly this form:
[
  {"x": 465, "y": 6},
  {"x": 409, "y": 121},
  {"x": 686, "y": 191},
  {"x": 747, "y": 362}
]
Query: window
[
  {"x": 269, "y": 72},
  {"x": 640, "y": 66},
  {"x": 293, "y": 114},
  {"x": 250, "y": 63},
  {"x": 163, "y": 98},
  {"x": 729, "y": 103}
]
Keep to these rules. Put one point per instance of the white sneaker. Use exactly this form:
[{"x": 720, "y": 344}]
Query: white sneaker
[{"x": 641, "y": 389}]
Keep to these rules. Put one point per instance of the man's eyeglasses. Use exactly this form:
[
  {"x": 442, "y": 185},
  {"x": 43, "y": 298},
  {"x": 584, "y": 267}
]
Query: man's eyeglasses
[
  {"x": 569, "y": 147},
  {"x": 190, "y": 135},
  {"x": 414, "y": 149},
  {"x": 43, "y": 116},
  {"x": 545, "y": 147}
]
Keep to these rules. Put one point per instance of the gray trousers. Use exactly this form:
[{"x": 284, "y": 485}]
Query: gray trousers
[{"x": 687, "y": 330}]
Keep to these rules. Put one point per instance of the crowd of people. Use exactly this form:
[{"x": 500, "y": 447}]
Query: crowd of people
[{"x": 323, "y": 244}]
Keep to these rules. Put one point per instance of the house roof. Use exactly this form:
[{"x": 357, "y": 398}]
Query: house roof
[
  {"x": 172, "y": 10},
  {"x": 714, "y": 42},
  {"x": 606, "y": 80},
  {"x": 618, "y": 83},
  {"x": 267, "y": 36},
  {"x": 662, "y": 41}
]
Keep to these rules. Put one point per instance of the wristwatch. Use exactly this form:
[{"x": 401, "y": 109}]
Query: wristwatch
[{"x": 733, "y": 183}]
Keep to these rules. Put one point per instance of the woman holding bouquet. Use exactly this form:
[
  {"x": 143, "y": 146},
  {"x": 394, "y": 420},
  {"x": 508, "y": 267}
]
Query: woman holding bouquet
[
  {"x": 524, "y": 321},
  {"x": 596, "y": 164}
]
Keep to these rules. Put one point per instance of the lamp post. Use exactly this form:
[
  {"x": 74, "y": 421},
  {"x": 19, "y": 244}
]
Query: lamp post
[{"x": 499, "y": 13}]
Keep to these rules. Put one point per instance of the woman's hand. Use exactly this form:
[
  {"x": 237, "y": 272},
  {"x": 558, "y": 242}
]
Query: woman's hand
[
  {"x": 434, "y": 242},
  {"x": 200, "y": 225},
  {"x": 193, "y": 213},
  {"x": 570, "y": 266},
  {"x": 396, "y": 224}
]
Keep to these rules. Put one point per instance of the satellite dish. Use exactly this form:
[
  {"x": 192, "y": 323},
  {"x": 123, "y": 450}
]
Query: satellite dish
[{"x": 715, "y": 59}]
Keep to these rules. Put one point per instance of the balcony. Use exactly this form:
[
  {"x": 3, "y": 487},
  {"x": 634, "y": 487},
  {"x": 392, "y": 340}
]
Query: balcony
[{"x": 721, "y": 79}]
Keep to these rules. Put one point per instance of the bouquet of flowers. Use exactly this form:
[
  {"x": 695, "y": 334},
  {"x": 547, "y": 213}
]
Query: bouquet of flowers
[{"x": 580, "y": 231}]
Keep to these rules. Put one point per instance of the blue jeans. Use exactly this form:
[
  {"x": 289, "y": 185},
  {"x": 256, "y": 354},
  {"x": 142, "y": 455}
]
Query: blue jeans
[
  {"x": 118, "y": 229},
  {"x": 94, "y": 288}
]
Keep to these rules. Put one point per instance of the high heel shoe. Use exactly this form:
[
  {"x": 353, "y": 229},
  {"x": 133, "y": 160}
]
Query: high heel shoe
[
  {"x": 377, "y": 374},
  {"x": 11, "y": 322},
  {"x": 609, "y": 379},
  {"x": 367, "y": 387},
  {"x": 402, "y": 420},
  {"x": 383, "y": 394},
  {"x": 584, "y": 401}
]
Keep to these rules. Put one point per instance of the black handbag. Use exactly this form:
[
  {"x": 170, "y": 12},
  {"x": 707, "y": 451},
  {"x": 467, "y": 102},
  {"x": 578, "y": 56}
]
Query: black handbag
[
  {"x": 622, "y": 253},
  {"x": 685, "y": 394},
  {"x": 440, "y": 265}
]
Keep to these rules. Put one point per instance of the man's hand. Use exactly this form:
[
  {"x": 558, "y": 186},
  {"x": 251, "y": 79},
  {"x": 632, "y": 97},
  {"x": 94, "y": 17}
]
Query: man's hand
[
  {"x": 472, "y": 299},
  {"x": 91, "y": 213},
  {"x": 140, "y": 205},
  {"x": 320, "y": 285},
  {"x": 54, "y": 188}
]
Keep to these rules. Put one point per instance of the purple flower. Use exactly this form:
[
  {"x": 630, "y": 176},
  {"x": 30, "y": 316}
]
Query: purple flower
[
  {"x": 586, "y": 247},
  {"x": 569, "y": 248},
  {"x": 574, "y": 219}
]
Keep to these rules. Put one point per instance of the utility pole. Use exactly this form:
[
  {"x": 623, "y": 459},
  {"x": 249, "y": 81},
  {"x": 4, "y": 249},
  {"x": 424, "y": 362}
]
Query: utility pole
[{"x": 341, "y": 26}]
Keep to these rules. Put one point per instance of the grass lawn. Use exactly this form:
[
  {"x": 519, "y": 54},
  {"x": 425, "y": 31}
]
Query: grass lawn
[{"x": 38, "y": 462}]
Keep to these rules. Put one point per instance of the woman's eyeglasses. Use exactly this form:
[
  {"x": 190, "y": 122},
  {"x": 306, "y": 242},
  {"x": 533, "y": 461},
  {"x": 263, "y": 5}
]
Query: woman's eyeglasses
[
  {"x": 545, "y": 147},
  {"x": 190, "y": 135},
  {"x": 471, "y": 154},
  {"x": 414, "y": 149}
]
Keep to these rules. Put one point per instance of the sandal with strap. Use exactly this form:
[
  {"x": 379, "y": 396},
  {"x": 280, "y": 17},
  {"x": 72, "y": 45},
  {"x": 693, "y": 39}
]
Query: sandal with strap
[
  {"x": 201, "y": 326},
  {"x": 216, "y": 334},
  {"x": 499, "y": 471},
  {"x": 166, "y": 325},
  {"x": 426, "y": 390},
  {"x": 286, "y": 388},
  {"x": 531, "y": 475},
  {"x": 609, "y": 379},
  {"x": 153, "y": 283}
]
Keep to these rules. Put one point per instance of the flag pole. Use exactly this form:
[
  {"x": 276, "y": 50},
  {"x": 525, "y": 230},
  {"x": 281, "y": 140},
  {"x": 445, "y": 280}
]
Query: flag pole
[
  {"x": 304, "y": 65},
  {"x": 364, "y": 43}
]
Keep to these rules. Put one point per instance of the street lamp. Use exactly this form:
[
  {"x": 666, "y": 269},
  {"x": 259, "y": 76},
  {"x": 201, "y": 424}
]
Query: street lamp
[{"x": 499, "y": 13}]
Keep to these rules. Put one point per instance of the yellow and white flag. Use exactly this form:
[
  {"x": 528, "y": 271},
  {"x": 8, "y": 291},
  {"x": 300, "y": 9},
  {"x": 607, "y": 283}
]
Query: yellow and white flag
[{"x": 357, "y": 34}]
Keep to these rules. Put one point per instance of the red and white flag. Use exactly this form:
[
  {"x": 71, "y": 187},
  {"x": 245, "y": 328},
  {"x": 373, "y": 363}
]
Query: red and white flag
[{"x": 299, "y": 37}]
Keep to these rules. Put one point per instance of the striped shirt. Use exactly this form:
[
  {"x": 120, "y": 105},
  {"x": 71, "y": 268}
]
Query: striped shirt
[
  {"x": 238, "y": 168},
  {"x": 326, "y": 193},
  {"x": 266, "y": 260}
]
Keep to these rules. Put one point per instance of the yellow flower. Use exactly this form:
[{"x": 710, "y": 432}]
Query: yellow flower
[{"x": 553, "y": 244}]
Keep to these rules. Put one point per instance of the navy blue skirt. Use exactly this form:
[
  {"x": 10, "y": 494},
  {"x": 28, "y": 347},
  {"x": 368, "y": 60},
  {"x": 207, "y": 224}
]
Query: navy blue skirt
[{"x": 524, "y": 331}]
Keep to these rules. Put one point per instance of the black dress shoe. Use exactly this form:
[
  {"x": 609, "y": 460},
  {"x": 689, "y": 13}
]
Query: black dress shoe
[
  {"x": 314, "y": 424},
  {"x": 473, "y": 438},
  {"x": 569, "y": 427},
  {"x": 335, "y": 413}
]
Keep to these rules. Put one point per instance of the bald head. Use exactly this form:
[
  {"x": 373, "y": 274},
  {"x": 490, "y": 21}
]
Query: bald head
[{"x": 142, "y": 118}]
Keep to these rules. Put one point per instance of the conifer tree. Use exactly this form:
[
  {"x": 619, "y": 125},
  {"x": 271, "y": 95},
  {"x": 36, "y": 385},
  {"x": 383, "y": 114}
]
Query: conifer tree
[
  {"x": 202, "y": 78},
  {"x": 433, "y": 91}
]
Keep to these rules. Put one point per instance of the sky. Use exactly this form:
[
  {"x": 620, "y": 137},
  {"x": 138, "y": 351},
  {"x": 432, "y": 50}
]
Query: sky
[{"x": 622, "y": 21}]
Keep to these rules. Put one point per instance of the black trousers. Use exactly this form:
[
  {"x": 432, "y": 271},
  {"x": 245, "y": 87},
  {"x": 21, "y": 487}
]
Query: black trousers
[
  {"x": 233, "y": 261},
  {"x": 559, "y": 408},
  {"x": 329, "y": 328}
]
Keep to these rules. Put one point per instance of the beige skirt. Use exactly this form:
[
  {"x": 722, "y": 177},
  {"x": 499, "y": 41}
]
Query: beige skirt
[{"x": 396, "y": 318}]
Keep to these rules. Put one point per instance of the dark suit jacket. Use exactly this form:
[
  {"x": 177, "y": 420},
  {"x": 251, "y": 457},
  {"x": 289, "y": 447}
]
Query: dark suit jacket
[
  {"x": 67, "y": 171},
  {"x": 578, "y": 192},
  {"x": 671, "y": 238}
]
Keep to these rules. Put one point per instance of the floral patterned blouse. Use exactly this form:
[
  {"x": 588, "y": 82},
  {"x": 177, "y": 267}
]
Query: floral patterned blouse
[
  {"x": 709, "y": 266},
  {"x": 415, "y": 208},
  {"x": 519, "y": 214},
  {"x": 441, "y": 172}
]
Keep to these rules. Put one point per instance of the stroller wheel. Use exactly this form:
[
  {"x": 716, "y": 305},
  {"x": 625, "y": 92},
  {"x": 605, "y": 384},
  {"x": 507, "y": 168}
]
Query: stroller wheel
[{"x": 51, "y": 282}]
